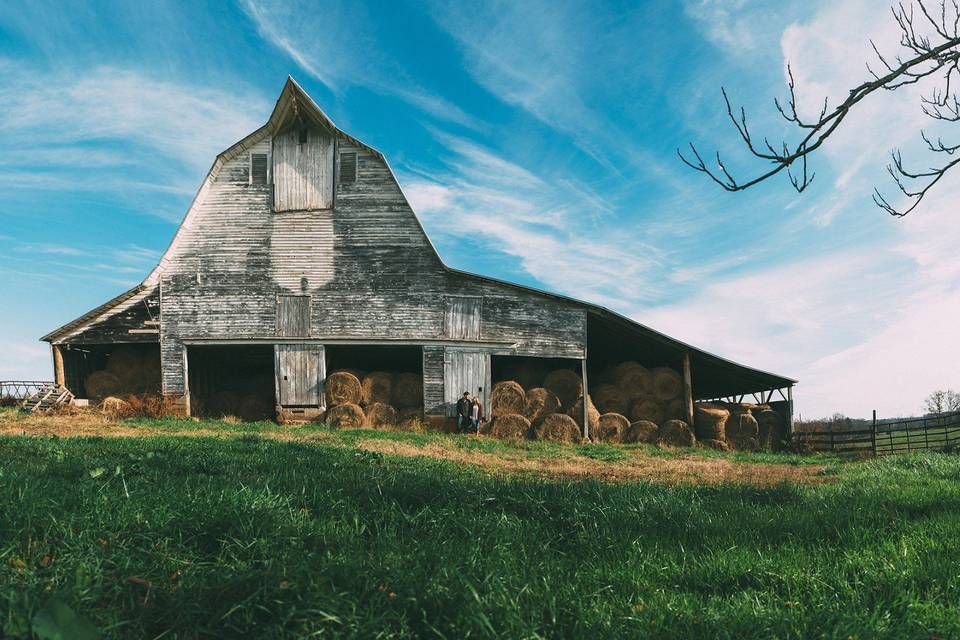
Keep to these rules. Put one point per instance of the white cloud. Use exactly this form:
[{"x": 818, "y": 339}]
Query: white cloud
[{"x": 25, "y": 360}]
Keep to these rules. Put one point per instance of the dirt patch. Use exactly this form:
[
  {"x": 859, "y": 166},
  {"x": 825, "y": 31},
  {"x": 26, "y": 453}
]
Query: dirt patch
[{"x": 689, "y": 469}]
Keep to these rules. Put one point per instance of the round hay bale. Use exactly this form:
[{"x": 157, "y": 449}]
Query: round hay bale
[
  {"x": 610, "y": 428},
  {"x": 407, "y": 390},
  {"x": 771, "y": 430},
  {"x": 101, "y": 384},
  {"x": 646, "y": 409},
  {"x": 379, "y": 415},
  {"x": 557, "y": 427},
  {"x": 676, "y": 433},
  {"x": 610, "y": 398},
  {"x": 607, "y": 375},
  {"x": 540, "y": 402},
  {"x": 675, "y": 410},
  {"x": 667, "y": 384},
  {"x": 377, "y": 387},
  {"x": 716, "y": 445},
  {"x": 640, "y": 431},
  {"x": 344, "y": 416},
  {"x": 506, "y": 398},
  {"x": 576, "y": 412},
  {"x": 125, "y": 361},
  {"x": 342, "y": 387},
  {"x": 709, "y": 421},
  {"x": 634, "y": 379},
  {"x": 151, "y": 365},
  {"x": 115, "y": 407},
  {"x": 510, "y": 426},
  {"x": 566, "y": 385},
  {"x": 741, "y": 431}
]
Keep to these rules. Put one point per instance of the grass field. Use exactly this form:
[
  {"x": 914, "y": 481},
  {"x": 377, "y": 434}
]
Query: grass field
[{"x": 178, "y": 531}]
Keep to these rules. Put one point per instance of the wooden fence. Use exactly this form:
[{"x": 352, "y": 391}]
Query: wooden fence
[
  {"x": 20, "y": 389},
  {"x": 885, "y": 437}
]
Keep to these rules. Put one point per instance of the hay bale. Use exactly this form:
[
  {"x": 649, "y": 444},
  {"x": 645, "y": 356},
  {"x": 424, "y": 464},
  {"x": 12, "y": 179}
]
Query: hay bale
[
  {"x": 772, "y": 430},
  {"x": 640, "y": 431},
  {"x": 125, "y": 361},
  {"x": 506, "y": 398},
  {"x": 709, "y": 421},
  {"x": 344, "y": 416},
  {"x": 115, "y": 407},
  {"x": 255, "y": 407},
  {"x": 576, "y": 412},
  {"x": 610, "y": 428},
  {"x": 634, "y": 379},
  {"x": 342, "y": 387},
  {"x": 557, "y": 427},
  {"x": 646, "y": 409},
  {"x": 510, "y": 426},
  {"x": 101, "y": 384},
  {"x": 411, "y": 419},
  {"x": 540, "y": 402},
  {"x": 610, "y": 398},
  {"x": 667, "y": 384},
  {"x": 377, "y": 387},
  {"x": 379, "y": 415},
  {"x": 741, "y": 431},
  {"x": 407, "y": 390},
  {"x": 716, "y": 445},
  {"x": 566, "y": 385},
  {"x": 676, "y": 433},
  {"x": 607, "y": 375},
  {"x": 675, "y": 409}
]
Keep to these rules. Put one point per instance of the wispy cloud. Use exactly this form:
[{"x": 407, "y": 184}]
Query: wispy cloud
[{"x": 337, "y": 48}]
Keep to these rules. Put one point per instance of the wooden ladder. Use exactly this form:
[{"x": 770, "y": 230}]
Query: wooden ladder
[{"x": 47, "y": 397}]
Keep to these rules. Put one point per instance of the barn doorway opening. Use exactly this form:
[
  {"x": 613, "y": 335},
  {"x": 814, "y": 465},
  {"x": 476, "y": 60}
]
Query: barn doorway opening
[
  {"x": 562, "y": 376},
  {"x": 97, "y": 371},
  {"x": 234, "y": 380},
  {"x": 388, "y": 374}
]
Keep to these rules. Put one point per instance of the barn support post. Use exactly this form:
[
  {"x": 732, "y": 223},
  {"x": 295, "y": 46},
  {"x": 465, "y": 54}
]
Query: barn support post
[
  {"x": 873, "y": 434},
  {"x": 586, "y": 399},
  {"x": 790, "y": 410},
  {"x": 57, "y": 364},
  {"x": 687, "y": 388}
]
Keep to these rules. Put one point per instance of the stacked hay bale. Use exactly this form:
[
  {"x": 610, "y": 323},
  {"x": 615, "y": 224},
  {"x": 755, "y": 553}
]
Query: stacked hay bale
[
  {"x": 378, "y": 399},
  {"x": 610, "y": 428},
  {"x": 558, "y": 427},
  {"x": 641, "y": 431},
  {"x": 710, "y": 422},
  {"x": 129, "y": 371}
]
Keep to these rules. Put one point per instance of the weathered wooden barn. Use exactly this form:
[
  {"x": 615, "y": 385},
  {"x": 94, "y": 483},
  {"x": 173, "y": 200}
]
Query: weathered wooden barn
[{"x": 300, "y": 255}]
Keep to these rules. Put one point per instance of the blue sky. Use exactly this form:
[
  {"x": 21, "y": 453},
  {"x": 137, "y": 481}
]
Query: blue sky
[{"x": 535, "y": 140}]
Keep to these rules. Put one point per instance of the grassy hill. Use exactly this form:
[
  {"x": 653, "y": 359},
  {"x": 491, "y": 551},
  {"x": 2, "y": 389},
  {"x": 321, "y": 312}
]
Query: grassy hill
[{"x": 177, "y": 531}]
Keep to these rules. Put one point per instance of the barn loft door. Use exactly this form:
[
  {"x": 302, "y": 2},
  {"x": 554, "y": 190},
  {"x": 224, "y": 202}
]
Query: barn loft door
[
  {"x": 461, "y": 320},
  {"x": 301, "y": 369},
  {"x": 302, "y": 170},
  {"x": 293, "y": 316},
  {"x": 465, "y": 371}
]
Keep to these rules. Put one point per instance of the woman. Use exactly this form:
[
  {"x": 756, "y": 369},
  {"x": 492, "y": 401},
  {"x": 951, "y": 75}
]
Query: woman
[{"x": 476, "y": 414}]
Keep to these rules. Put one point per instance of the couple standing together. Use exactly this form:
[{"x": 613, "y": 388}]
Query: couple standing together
[{"x": 469, "y": 414}]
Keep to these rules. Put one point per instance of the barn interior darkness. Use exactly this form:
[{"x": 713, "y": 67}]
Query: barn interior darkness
[
  {"x": 235, "y": 380},
  {"x": 136, "y": 368},
  {"x": 367, "y": 358},
  {"x": 528, "y": 371}
]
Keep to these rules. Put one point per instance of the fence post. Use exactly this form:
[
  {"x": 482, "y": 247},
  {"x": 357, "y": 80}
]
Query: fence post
[
  {"x": 873, "y": 434},
  {"x": 831, "y": 439}
]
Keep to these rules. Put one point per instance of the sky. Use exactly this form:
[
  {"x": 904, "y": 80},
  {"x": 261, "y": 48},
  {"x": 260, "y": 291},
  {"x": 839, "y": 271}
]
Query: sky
[{"x": 537, "y": 143}]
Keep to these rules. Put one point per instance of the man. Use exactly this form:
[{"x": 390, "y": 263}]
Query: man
[{"x": 463, "y": 412}]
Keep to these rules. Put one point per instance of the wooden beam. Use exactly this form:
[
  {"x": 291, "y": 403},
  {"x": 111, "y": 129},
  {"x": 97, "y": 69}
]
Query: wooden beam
[
  {"x": 687, "y": 388},
  {"x": 586, "y": 400},
  {"x": 790, "y": 409},
  {"x": 58, "y": 376}
]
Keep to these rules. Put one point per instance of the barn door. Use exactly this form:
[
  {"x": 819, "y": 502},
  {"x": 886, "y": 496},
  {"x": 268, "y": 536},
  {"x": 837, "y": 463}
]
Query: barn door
[
  {"x": 465, "y": 371},
  {"x": 301, "y": 369},
  {"x": 293, "y": 316}
]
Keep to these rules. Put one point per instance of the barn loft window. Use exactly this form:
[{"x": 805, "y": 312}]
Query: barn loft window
[
  {"x": 348, "y": 167},
  {"x": 258, "y": 168},
  {"x": 303, "y": 136}
]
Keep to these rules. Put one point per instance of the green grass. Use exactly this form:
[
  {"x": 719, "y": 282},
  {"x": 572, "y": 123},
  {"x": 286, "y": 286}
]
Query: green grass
[{"x": 249, "y": 537}]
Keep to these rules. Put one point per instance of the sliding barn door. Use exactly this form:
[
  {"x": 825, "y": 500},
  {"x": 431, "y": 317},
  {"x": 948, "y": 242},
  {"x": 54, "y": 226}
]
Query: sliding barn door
[
  {"x": 465, "y": 371},
  {"x": 301, "y": 369}
]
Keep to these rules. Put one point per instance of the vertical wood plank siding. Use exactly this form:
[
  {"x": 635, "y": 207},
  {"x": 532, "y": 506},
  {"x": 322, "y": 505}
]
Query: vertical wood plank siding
[
  {"x": 300, "y": 369},
  {"x": 465, "y": 371},
  {"x": 303, "y": 172},
  {"x": 461, "y": 321},
  {"x": 293, "y": 316}
]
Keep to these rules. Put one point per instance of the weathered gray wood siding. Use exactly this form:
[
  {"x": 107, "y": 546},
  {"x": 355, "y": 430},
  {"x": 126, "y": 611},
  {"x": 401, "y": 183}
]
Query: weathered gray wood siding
[
  {"x": 461, "y": 319},
  {"x": 465, "y": 370},
  {"x": 293, "y": 316},
  {"x": 369, "y": 269},
  {"x": 134, "y": 320},
  {"x": 303, "y": 171}
]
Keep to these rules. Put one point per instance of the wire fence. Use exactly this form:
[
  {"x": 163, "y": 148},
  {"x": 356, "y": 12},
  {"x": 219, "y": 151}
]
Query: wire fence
[
  {"x": 886, "y": 437},
  {"x": 19, "y": 390}
]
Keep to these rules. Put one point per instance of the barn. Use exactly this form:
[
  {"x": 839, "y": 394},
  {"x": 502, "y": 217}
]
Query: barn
[{"x": 300, "y": 255}]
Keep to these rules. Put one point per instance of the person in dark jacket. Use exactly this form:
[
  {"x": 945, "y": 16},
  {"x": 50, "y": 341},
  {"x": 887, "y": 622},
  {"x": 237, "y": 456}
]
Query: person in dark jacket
[{"x": 463, "y": 412}]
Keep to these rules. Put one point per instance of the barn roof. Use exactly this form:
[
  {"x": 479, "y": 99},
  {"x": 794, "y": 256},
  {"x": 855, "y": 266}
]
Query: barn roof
[{"x": 716, "y": 376}]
